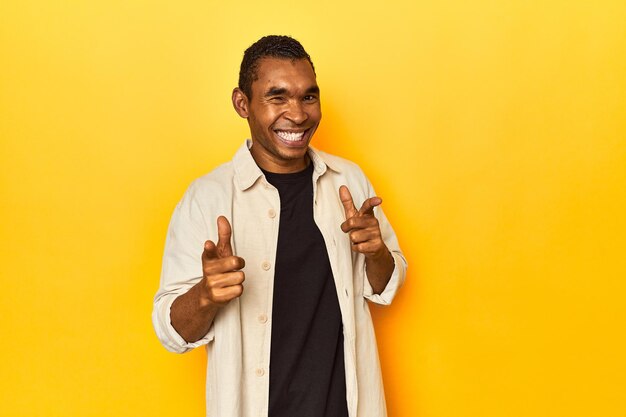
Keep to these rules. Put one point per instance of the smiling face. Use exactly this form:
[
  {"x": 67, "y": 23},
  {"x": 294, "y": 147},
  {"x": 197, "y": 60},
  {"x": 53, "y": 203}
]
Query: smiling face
[{"x": 283, "y": 113}]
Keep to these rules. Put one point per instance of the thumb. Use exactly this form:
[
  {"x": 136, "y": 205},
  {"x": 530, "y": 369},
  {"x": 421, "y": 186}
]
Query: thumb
[
  {"x": 224, "y": 232},
  {"x": 210, "y": 251},
  {"x": 369, "y": 204}
]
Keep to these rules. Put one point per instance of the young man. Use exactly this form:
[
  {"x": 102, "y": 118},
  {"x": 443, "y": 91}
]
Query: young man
[{"x": 270, "y": 260}]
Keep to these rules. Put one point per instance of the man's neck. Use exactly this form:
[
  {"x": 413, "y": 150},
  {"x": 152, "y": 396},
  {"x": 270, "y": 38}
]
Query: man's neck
[{"x": 283, "y": 167}]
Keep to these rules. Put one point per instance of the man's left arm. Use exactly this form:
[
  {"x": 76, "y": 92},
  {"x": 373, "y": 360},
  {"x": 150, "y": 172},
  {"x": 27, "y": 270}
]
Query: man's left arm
[{"x": 366, "y": 238}]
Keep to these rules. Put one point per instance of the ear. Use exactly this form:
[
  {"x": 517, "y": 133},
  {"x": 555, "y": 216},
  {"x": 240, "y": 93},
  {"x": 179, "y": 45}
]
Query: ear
[{"x": 240, "y": 103}]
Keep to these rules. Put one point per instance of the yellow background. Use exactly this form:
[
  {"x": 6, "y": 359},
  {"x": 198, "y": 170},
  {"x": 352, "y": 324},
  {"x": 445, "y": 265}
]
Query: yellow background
[{"x": 495, "y": 132}]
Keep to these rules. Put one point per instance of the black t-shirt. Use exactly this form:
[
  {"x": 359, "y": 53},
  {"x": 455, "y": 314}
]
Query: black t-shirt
[{"x": 307, "y": 373}]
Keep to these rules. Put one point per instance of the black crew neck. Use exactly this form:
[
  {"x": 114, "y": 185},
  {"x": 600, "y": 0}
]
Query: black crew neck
[{"x": 288, "y": 177}]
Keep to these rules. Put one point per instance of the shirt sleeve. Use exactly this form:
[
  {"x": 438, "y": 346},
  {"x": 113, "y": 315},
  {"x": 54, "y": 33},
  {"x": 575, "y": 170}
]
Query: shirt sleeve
[{"x": 181, "y": 270}]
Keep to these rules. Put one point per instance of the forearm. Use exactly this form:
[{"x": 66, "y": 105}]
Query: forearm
[
  {"x": 379, "y": 268},
  {"x": 192, "y": 313}
]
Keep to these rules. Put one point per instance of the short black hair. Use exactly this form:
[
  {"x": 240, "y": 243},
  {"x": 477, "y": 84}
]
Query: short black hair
[{"x": 274, "y": 46}]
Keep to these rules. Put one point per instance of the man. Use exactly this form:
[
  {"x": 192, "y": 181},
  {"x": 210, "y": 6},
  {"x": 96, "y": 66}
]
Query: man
[{"x": 269, "y": 262}]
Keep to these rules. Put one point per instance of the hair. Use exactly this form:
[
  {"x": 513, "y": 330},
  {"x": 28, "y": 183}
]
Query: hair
[{"x": 273, "y": 46}]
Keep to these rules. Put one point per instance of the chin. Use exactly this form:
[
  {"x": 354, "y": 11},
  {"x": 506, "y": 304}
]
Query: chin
[{"x": 292, "y": 154}]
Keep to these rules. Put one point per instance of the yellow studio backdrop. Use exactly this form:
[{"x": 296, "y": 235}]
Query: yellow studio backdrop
[{"x": 494, "y": 131}]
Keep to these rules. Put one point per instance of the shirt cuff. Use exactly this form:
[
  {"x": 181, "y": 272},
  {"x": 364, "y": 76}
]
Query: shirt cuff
[
  {"x": 392, "y": 287},
  {"x": 168, "y": 336}
]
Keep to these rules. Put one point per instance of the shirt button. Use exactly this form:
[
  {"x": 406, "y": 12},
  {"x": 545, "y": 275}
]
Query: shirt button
[
  {"x": 259, "y": 372},
  {"x": 266, "y": 265},
  {"x": 271, "y": 213},
  {"x": 262, "y": 318}
]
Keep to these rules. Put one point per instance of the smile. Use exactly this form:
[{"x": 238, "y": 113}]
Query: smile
[{"x": 290, "y": 136}]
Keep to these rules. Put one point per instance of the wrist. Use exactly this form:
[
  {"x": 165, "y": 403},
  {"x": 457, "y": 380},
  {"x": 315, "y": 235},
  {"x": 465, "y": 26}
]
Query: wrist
[{"x": 380, "y": 255}]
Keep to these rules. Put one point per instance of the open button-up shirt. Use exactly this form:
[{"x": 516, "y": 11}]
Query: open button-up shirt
[{"x": 238, "y": 342}]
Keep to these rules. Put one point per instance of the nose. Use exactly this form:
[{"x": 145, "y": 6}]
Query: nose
[{"x": 296, "y": 112}]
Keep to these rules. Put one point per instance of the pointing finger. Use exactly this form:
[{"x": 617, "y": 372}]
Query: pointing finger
[
  {"x": 224, "y": 232},
  {"x": 369, "y": 204},
  {"x": 346, "y": 200}
]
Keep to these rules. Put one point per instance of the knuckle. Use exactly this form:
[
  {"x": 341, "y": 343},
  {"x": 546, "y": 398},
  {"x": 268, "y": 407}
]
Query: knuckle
[
  {"x": 211, "y": 283},
  {"x": 212, "y": 270}
]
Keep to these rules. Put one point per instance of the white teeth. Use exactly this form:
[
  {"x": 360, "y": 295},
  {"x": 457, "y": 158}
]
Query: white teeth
[{"x": 290, "y": 136}]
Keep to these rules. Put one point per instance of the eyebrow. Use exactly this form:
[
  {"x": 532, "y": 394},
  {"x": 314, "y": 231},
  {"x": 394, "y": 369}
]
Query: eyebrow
[
  {"x": 275, "y": 91},
  {"x": 313, "y": 90},
  {"x": 279, "y": 91}
]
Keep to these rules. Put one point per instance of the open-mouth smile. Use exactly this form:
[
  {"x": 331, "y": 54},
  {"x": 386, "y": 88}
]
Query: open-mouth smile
[{"x": 291, "y": 138}]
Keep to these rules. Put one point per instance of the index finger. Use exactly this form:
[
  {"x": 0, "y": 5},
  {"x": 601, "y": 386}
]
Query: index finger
[
  {"x": 346, "y": 200},
  {"x": 224, "y": 232}
]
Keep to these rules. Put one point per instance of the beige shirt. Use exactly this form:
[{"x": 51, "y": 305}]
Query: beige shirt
[{"x": 238, "y": 342}]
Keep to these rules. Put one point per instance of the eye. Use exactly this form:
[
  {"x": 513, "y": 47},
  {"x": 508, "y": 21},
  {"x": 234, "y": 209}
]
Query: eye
[
  {"x": 310, "y": 98},
  {"x": 277, "y": 99}
]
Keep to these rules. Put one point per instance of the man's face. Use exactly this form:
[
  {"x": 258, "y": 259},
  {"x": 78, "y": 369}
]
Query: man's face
[{"x": 283, "y": 113}]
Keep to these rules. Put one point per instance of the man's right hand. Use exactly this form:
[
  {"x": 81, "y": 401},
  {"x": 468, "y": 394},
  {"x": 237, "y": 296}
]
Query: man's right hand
[
  {"x": 192, "y": 313},
  {"x": 222, "y": 275}
]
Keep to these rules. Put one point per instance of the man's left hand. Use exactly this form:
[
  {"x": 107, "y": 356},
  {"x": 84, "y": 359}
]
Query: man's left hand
[
  {"x": 366, "y": 238},
  {"x": 362, "y": 225}
]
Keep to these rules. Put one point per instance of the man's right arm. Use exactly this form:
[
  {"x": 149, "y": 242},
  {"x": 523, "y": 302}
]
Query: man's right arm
[{"x": 193, "y": 312}]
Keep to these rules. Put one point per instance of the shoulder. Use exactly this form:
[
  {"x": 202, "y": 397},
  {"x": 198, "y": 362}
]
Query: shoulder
[
  {"x": 213, "y": 188},
  {"x": 220, "y": 178}
]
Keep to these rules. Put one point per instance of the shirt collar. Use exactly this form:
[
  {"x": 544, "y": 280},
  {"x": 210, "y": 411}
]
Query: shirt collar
[{"x": 247, "y": 172}]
